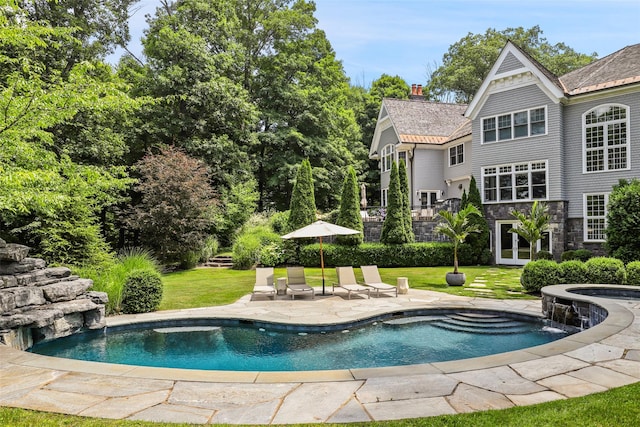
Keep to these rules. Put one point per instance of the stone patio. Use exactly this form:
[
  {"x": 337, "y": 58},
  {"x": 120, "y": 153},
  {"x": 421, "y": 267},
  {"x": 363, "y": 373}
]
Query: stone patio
[{"x": 598, "y": 359}]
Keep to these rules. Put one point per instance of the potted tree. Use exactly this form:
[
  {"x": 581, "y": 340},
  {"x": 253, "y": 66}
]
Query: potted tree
[{"x": 457, "y": 226}]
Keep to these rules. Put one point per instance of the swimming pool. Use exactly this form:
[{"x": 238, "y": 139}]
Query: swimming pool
[{"x": 236, "y": 345}]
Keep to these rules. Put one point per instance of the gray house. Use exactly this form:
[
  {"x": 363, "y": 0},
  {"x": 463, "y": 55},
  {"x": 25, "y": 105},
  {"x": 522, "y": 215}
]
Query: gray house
[
  {"x": 433, "y": 139},
  {"x": 562, "y": 140}
]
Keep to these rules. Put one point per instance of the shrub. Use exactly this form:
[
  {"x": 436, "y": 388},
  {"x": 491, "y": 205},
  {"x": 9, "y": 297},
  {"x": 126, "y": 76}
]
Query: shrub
[
  {"x": 142, "y": 292},
  {"x": 605, "y": 270},
  {"x": 633, "y": 273},
  {"x": 573, "y": 271},
  {"x": 302, "y": 207},
  {"x": 349, "y": 213},
  {"x": 393, "y": 227},
  {"x": 623, "y": 221},
  {"x": 278, "y": 222},
  {"x": 544, "y": 255},
  {"x": 272, "y": 255},
  {"x": 537, "y": 274},
  {"x": 209, "y": 250},
  {"x": 111, "y": 278},
  {"x": 247, "y": 248},
  {"x": 578, "y": 254}
]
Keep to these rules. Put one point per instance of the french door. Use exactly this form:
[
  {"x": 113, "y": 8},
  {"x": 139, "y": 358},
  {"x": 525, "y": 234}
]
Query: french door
[{"x": 512, "y": 249}]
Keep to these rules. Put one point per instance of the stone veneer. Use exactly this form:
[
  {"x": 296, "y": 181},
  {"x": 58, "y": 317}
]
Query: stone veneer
[
  {"x": 39, "y": 303},
  {"x": 423, "y": 231}
]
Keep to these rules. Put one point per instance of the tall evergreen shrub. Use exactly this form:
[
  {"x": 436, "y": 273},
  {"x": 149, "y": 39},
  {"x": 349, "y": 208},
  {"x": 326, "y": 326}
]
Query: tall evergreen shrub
[
  {"x": 623, "y": 221},
  {"x": 406, "y": 204},
  {"x": 393, "y": 231},
  {"x": 349, "y": 213},
  {"x": 479, "y": 241},
  {"x": 303, "y": 203}
]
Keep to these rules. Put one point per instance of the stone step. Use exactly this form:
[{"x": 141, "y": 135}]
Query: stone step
[{"x": 220, "y": 261}]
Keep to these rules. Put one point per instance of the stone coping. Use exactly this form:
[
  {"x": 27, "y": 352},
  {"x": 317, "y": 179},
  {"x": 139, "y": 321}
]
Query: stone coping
[{"x": 603, "y": 357}]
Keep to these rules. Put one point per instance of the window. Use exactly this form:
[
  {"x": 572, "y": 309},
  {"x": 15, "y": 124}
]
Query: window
[
  {"x": 520, "y": 124},
  {"x": 518, "y": 181},
  {"x": 456, "y": 155},
  {"x": 383, "y": 196},
  {"x": 595, "y": 215},
  {"x": 606, "y": 143},
  {"x": 387, "y": 157},
  {"x": 402, "y": 155}
]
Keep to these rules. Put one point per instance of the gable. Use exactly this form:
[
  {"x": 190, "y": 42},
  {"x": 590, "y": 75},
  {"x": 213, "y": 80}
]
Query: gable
[{"x": 513, "y": 69}]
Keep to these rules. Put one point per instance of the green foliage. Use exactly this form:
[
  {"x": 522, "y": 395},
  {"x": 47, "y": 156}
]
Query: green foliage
[
  {"x": 544, "y": 255},
  {"x": 538, "y": 274},
  {"x": 272, "y": 254},
  {"x": 479, "y": 241},
  {"x": 579, "y": 254},
  {"x": 573, "y": 271},
  {"x": 457, "y": 227},
  {"x": 234, "y": 209},
  {"x": 393, "y": 228},
  {"x": 531, "y": 226},
  {"x": 110, "y": 277},
  {"x": 468, "y": 61},
  {"x": 633, "y": 273},
  {"x": 603, "y": 270},
  {"x": 249, "y": 245},
  {"x": 142, "y": 292},
  {"x": 623, "y": 221},
  {"x": 349, "y": 213},
  {"x": 209, "y": 249},
  {"x": 302, "y": 210},
  {"x": 464, "y": 200},
  {"x": 406, "y": 205},
  {"x": 279, "y": 222},
  {"x": 408, "y": 255},
  {"x": 175, "y": 209}
]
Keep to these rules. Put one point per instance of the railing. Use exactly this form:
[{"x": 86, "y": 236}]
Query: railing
[{"x": 418, "y": 213}]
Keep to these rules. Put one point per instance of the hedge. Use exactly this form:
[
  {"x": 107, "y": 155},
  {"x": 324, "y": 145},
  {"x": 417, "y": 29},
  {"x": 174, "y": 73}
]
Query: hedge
[
  {"x": 573, "y": 271},
  {"x": 633, "y": 273},
  {"x": 603, "y": 270},
  {"x": 406, "y": 255},
  {"x": 538, "y": 274},
  {"x": 142, "y": 292}
]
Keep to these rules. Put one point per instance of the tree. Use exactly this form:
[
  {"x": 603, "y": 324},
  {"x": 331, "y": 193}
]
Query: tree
[
  {"x": 479, "y": 241},
  {"x": 468, "y": 61},
  {"x": 457, "y": 226},
  {"x": 532, "y": 226},
  {"x": 406, "y": 206},
  {"x": 47, "y": 200},
  {"x": 174, "y": 214},
  {"x": 349, "y": 213},
  {"x": 303, "y": 204},
  {"x": 623, "y": 221},
  {"x": 393, "y": 231}
]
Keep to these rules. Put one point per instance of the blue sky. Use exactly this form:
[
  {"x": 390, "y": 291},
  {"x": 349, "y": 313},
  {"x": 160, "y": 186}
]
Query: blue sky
[{"x": 409, "y": 37}]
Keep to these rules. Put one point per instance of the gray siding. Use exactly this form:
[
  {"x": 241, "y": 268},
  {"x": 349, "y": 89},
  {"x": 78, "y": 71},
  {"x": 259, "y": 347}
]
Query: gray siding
[
  {"x": 510, "y": 63},
  {"x": 428, "y": 172},
  {"x": 578, "y": 182},
  {"x": 543, "y": 147},
  {"x": 457, "y": 171},
  {"x": 388, "y": 136}
]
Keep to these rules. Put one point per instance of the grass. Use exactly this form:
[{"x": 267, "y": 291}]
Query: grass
[{"x": 206, "y": 287}]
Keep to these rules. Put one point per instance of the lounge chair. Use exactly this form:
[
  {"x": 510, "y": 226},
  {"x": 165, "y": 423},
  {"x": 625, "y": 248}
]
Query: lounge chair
[
  {"x": 297, "y": 283},
  {"x": 264, "y": 282},
  {"x": 347, "y": 281},
  {"x": 372, "y": 278}
]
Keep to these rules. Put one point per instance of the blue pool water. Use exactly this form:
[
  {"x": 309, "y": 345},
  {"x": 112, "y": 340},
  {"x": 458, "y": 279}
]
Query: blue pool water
[{"x": 236, "y": 346}]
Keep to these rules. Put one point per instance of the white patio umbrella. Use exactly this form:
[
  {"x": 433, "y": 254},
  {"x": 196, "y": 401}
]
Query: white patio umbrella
[{"x": 320, "y": 229}]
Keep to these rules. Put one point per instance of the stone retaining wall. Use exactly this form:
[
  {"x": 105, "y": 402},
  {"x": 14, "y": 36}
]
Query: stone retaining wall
[{"x": 39, "y": 303}]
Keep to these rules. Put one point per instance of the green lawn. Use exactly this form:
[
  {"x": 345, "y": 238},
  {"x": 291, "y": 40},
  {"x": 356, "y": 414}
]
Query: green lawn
[{"x": 205, "y": 287}]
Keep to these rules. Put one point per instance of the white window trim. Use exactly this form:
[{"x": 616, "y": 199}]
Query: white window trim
[
  {"x": 387, "y": 150},
  {"x": 584, "y": 140},
  {"x": 463, "y": 156},
  {"x": 585, "y": 218},
  {"x": 513, "y": 186},
  {"x": 513, "y": 137}
]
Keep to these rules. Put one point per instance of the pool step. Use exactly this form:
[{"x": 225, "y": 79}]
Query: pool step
[{"x": 481, "y": 323}]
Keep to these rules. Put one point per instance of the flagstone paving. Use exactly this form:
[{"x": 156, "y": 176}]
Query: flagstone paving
[{"x": 600, "y": 358}]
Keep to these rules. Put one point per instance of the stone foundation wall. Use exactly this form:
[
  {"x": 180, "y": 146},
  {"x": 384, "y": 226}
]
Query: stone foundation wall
[
  {"x": 423, "y": 231},
  {"x": 39, "y": 303}
]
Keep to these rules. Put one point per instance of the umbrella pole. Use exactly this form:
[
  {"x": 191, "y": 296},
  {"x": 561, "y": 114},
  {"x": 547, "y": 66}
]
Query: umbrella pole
[{"x": 322, "y": 264}]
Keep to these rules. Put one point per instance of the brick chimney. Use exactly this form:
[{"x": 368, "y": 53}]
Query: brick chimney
[{"x": 416, "y": 92}]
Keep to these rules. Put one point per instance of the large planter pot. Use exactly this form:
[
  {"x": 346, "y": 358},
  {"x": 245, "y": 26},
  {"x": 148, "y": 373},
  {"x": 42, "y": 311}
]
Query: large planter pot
[{"x": 456, "y": 279}]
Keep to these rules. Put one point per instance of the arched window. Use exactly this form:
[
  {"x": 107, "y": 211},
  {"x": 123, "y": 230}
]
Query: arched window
[{"x": 605, "y": 138}]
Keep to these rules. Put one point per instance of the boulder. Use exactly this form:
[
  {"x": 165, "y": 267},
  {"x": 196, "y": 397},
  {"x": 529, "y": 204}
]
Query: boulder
[
  {"x": 13, "y": 252},
  {"x": 24, "y": 266},
  {"x": 95, "y": 319},
  {"x": 31, "y": 278},
  {"x": 8, "y": 282},
  {"x": 7, "y": 302},
  {"x": 26, "y": 296},
  {"x": 57, "y": 272},
  {"x": 98, "y": 297},
  {"x": 66, "y": 291}
]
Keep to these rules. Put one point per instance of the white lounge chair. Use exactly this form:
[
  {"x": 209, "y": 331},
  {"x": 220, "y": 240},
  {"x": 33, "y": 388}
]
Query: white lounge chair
[
  {"x": 347, "y": 281},
  {"x": 297, "y": 283},
  {"x": 264, "y": 282},
  {"x": 372, "y": 278}
]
